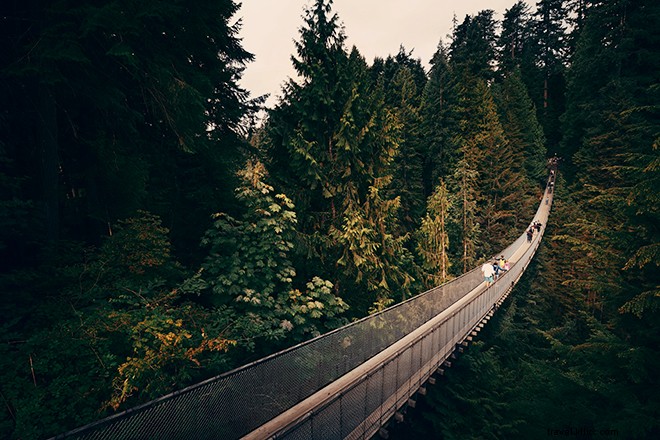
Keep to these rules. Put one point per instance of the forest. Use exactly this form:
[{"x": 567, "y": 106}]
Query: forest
[{"x": 156, "y": 231}]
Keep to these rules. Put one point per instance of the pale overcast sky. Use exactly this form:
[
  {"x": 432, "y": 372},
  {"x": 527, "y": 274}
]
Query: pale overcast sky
[{"x": 375, "y": 27}]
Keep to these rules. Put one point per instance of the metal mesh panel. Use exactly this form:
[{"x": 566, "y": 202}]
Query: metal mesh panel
[
  {"x": 389, "y": 381},
  {"x": 235, "y": 403},
  {"x": 374, "y": 396},
  {"x": 302, "y": 431},
  {"x": 352, "y": 408},
  {"x": 327, "y": 423}
]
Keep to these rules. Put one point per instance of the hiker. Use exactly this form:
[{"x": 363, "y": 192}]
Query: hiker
[
  {"x": 496, "y": 270},
  {"x": 530, "y": 234},
  {"x": 502, "y": 263},
  {"x": 487, "y": 270}
]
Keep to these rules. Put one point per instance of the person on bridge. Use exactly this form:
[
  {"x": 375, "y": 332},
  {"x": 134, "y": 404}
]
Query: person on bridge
[
  {"x": 502, "y": 263},
  {"x": 530, "y": 234},
  {"x": 496, "y": 270},
  {"x": 537, "y": 225},
  {"x": 488, "y": 271}
]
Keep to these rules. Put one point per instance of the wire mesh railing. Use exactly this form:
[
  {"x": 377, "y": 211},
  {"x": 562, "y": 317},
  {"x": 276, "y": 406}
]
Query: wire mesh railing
[{"x": 234, "y": 404}]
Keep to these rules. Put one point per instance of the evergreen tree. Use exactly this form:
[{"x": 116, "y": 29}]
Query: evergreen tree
[
  {"x": 388, "y": 69},
  {"x": 433, "y": 237},
  {"x": 518, "y": 118},
  {"x": 515, "y": 39},
  {"x": 127, "y": 102},
  {"x": 438, "y": 121},
  {"x": 473, "y": 46},
  {"x": 332, "y": 141},
  {"x": 302, "y": 148},
  {"x": 547, "y": 87},
  {"x": 407, "y": 180},
  {"x": 614, "y": 95},
  {"x": 466, "y": 188},
  {"x": 490, "y": 170}
]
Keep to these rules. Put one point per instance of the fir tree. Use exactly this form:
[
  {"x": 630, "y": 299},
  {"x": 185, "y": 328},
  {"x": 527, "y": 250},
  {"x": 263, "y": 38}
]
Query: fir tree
[
  {"x": 518, "y": 118},
  {"x": 548, "y": 86},
  {"x": 438, "y": 121},
  {"x": 515, "y": 39},
  {"x": 408, "y": 163},
  {"x": 333, "y": 141},
  {"x": 473, "y": 46},
  {"x": 433, "y": 237}
]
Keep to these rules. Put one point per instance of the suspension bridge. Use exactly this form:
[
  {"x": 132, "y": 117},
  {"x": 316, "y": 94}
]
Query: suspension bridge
[{"x": 345, "y": 384}]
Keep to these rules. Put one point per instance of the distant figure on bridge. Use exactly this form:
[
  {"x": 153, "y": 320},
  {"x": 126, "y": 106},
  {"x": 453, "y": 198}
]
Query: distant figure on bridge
[
  {"x": 488, "y": 271},
  {"x": 502, "y": 263},
  {"x": 530, "y": 234},
  {"x": 537, "y": 225}
]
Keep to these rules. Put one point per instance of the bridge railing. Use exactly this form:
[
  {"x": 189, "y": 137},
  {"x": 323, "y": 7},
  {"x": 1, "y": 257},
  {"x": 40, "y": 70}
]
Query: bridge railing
[
  {"x": 368, "y": 401},
  {"x": 363, "y": 401},
  {"x": 236, "y": 403}
]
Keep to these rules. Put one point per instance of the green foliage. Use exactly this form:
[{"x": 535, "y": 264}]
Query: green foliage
[
  {"x": 433, "y": 236},
  {"x": 371, "y": 253},
  {"x": 122, "y": 110},
  {"x": 408, "y": 164},
  {"x": 249, "y": 269},
  {"x": 518, "y": 118},
  {"x": 438, "y": 121},
  {"x": 515, "y": 42},
  {"x": 117, "y": 333},
  {"x": 122, "y": 104},
  {"x": 546, "y": 79},
  {"x": 333, "y": 142},
  {"x": 473, "y": 46}
]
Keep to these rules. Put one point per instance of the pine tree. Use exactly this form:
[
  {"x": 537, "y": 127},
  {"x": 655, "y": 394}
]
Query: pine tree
[
  {"x": 302, "y": 150},
  {"x": 614, "y": 96},
  {"x": 465, "y": 179},
  {"x": 388, "y": 69},
  {"x": 408, "y": 164},
  {"x": 127, "y": 101},
  {"x": 547, "y": 88},
  {"x": 433, "y": 237},
  {"x": 495, "y": 183},
  {"x": 518, "y": 118},
  {"x": 515, "y": 39},
  {"x": 473, "y": 46},
  {"x": 438, "y": 121},
  {"x": 332, "y": 141}
]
